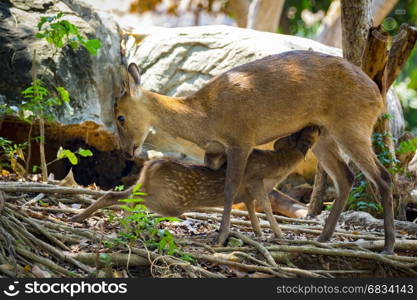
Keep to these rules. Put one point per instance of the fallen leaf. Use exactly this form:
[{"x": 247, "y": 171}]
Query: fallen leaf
[{"x": 227, "y": 256}]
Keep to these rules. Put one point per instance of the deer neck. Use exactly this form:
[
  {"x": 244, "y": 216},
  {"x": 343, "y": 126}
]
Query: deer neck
[{"x": 174, "y": 115}]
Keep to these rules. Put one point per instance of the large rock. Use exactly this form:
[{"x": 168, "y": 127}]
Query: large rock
[
  {"x": 179, "y": 61},
  {"x": 92, "y": 81}
]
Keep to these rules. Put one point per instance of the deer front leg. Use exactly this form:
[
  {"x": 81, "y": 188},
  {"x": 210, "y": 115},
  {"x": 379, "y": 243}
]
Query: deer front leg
[
  {"x": 258, "y": 192},
  {"x": 236, "y": 164}
]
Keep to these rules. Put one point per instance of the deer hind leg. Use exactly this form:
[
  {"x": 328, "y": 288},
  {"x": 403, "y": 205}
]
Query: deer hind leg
[
  {"x": 258, "y": 192},
  {"x": 328, "y": 154},
  {"x": 359, "y": 148}
]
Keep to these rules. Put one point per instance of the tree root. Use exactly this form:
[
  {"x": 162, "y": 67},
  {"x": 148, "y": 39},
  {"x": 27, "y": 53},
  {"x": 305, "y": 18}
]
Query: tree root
[{"x": 32, "y": 237}]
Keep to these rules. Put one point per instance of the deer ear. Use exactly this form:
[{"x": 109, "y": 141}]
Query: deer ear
[
  {"x": 134, "y": 78},
  {"x": 134, "y": 72}
]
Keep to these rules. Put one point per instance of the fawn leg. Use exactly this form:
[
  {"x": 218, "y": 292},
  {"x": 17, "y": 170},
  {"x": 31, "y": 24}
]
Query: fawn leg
[
  {"x": 250, "y": 206},
  {"x": 109, "y": 199},
  {"x": 258, "y": 192}
]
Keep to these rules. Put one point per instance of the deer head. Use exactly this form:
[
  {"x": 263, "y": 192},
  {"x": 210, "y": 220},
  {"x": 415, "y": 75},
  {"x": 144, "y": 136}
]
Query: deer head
[{"x": 131, "y": 116}]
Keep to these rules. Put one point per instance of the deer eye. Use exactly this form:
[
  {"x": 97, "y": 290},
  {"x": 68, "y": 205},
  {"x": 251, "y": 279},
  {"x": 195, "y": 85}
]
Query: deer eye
[{"x": 121, "y": 119}]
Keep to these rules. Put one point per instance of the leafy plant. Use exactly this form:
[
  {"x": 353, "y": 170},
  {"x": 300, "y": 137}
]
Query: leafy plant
[
  {"x": 139, "y": 224},
  {"x": 59, "y": 33},
  {"x": 37, "y": 102},
  {"x": 119, "y": 188},
  {"x": 384, "y": 154},
  {"x": 408, "y": 146},
  {"x": 71, "y": 156},
  {"x": 359, "y": 198}
]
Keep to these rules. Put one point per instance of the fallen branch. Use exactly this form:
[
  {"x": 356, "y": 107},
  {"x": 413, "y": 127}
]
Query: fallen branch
[
  {"x": 258, "y": 246},
  {"x": 25, "y": 187},
  {"x": 386, "y": 259},
  {"x": 117, "y": 259}
]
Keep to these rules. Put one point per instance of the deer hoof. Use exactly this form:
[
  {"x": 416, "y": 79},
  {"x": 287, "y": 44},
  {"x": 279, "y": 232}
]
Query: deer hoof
[
  {"x": 323, "y": 239},
  {"x": 221, "y": 239},
  {"x": 77, "y": 218},
  {"x": 387, "y": 252}
]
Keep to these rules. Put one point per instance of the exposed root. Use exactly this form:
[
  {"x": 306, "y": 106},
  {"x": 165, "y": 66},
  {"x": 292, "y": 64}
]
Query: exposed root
[{"x": 38, "y": 241}]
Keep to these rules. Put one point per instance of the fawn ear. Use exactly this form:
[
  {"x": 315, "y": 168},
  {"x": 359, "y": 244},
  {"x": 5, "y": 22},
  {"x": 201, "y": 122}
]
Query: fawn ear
[{"x": 134, "y": 78}]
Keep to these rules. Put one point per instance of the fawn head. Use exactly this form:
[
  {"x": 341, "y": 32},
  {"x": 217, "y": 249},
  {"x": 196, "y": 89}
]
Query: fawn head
[
  {"x": 131, "y": 116},
  {"x": 302, "y": 140}
]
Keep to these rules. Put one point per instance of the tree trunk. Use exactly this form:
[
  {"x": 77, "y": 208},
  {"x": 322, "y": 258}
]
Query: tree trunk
[
  {"x": 356, "y": 17},
  {"x": 374, "y": 64},
  {"x": 401, "y": 48},
  {"x": 240, "y": 10},
  {"x": 264, "y": 15}
]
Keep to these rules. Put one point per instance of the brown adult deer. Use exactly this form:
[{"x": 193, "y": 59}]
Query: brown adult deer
[
  {"x": 173, "y": 187},
  {"x": 265, "y": 100}
]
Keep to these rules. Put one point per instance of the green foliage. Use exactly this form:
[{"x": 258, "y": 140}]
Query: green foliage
[
  {"x": 38, "y": 103},
  {"x": 59, "y": 33},
  {"x": 408, "y": 146},
  {"x": 139, "y": 224},
  {"x": 359, "y": 198},
  {"x": 119, "y": 188},
  {"x": 71, "y": 156},
  {"x": 383, "y": 152},
  {"x": 292, "y": 21}
]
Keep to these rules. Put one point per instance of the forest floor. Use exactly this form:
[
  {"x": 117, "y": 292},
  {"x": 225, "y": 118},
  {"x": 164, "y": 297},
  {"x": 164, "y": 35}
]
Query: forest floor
[{"x": 38, "y": 240}]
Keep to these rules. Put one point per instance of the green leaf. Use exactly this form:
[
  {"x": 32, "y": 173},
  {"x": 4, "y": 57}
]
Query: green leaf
[
  {"x": 41, "y": 22},
  {"x": 65, "y": 153},
  {"x": 119, "y": 188},
  {"x": 407, "y": 146},
  {"x": 136, "y": 188},
  {"x": 131, "y": 200},
  {"x": 84, "y": 152},
  {"x": 91, "y": 45},
  {"x": 63, "y": 94},
  {"x": 104, "y": 258}
]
